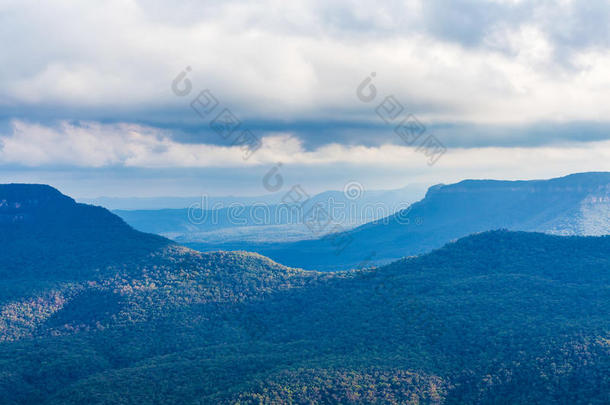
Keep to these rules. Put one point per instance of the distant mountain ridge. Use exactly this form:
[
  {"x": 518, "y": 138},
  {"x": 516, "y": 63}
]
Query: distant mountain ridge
[
  {"x": 578, "y": 204},
  {"x": 564, "y": 206},
  {"x": 209, "y": 220},
  {"x": 410, "y": 192}
]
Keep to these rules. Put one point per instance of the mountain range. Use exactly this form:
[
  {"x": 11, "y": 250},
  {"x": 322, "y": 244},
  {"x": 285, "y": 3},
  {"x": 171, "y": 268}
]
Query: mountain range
[
  {"x": 578, "y": 204},
  {"x": 93, "y": 311},
  {"x": 273, "y": 218}
]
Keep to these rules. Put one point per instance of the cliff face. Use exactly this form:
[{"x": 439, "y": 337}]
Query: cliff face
[{"x": 578, "y": 204}]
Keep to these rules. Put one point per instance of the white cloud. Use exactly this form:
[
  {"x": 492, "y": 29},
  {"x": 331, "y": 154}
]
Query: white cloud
[{"x": 303, "y": 59}]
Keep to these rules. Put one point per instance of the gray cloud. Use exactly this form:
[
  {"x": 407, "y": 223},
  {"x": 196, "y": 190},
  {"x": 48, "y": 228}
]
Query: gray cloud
[{"x": 570, "y": 26}]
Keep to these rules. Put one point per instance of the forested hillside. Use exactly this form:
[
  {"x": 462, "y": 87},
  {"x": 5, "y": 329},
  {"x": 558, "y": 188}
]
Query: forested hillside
[{"x": 497, "y": 317}]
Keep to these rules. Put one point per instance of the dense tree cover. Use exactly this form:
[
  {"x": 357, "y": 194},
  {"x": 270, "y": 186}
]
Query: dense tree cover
[
  {"x": 324, "y": 386},
  {"x": 497, "y": 317}
]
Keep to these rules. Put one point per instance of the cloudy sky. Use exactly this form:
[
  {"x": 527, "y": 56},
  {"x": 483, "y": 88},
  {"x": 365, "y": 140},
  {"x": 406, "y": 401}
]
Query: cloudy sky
[{"x": 96, "y": 98}]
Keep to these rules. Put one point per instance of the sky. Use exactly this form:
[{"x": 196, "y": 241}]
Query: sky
[{"x": 123, "y": 97}]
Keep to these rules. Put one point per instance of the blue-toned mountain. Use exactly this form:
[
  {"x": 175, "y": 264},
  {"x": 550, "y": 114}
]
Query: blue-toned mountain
[{"x": 578, "y": 204}]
